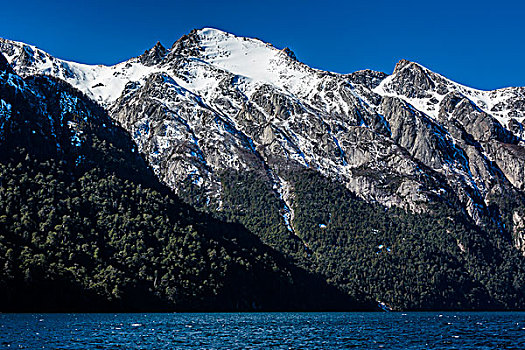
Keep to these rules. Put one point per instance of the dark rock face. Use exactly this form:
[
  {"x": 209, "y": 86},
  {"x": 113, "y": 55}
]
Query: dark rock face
[
  {"x": 153, "y": 56},
  {"x": 187, "y": 45},
  {"x": 289, "y": 53},
  {"x": 510, "y": 158},
  {"x": 369, "y": 78},
  {"x": 4, "y": 65}
]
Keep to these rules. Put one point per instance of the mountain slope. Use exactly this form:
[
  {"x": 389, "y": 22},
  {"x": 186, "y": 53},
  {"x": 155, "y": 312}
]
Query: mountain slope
[
  {"x": 235, "y": 126},
  {"x": 267, "y": 106},
  {"x": 85, "y": 225}
]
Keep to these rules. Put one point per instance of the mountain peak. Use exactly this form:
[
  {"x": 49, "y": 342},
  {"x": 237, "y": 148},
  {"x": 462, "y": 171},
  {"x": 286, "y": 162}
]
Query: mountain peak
[
  {"x": 158, "y": 46},
  {"x": 220, "y": 116},
  {"x": 411, "y": 80},
  {"x": 243, "y": 56},
  {"x": 154, "y": 55},
  {"x": 402, "y": 64},
  {"x": 208, "y": 31}
]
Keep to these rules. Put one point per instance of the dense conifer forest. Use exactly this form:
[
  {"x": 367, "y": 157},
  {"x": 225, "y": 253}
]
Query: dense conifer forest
[{"x": 436, "y": 260}]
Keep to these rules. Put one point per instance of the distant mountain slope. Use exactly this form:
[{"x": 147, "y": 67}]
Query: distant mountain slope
[
  {"x": 86, "y": 226},
  {"x": 236, "y": 126}
]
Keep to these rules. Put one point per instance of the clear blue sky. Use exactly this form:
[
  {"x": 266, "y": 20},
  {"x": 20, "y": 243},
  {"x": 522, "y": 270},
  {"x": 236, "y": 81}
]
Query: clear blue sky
[{"x": 477, "y": 43}]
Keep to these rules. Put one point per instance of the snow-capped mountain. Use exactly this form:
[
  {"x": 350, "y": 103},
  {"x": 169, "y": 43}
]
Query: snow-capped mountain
[
  {"x": 72, "y": 189},
  {"x": 215, "y": 102}
]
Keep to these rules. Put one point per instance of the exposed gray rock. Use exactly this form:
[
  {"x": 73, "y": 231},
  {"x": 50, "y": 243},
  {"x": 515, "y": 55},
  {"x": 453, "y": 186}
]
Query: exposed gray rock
[
  {"x": 420, "y": 136},
  {"x": 479, "y": 124},
  {"x": 510, "y": 158},
  {"x": 153, "y": 56},
  {"x": 411, "y": 80},
  {"x": 518, "y": 221},
  {"x": 216, "y": 102},
  {"x": 369, "y": 78}
]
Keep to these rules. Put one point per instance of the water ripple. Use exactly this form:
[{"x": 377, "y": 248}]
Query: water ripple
[{"x": 497, "y": 330}]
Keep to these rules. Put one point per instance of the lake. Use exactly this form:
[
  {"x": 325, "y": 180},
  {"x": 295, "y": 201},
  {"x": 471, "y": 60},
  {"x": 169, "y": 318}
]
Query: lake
[{"x": 411, "y": 330}]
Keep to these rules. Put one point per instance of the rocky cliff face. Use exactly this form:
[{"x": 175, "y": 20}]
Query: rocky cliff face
[{"x": 214, "y": 102}]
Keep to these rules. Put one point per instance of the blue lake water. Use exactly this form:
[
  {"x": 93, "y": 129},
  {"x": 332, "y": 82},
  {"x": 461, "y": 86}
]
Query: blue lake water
[{"x": 489, "y": 330}]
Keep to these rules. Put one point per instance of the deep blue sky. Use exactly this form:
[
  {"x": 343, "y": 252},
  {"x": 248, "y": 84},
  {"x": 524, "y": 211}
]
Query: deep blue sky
[{"x": 477, "y": 43}]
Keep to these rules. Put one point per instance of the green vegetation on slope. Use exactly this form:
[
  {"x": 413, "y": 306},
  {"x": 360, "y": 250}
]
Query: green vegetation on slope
[
  {"x": 86, "y": 226},
  {"x": 410, "y": 261}
]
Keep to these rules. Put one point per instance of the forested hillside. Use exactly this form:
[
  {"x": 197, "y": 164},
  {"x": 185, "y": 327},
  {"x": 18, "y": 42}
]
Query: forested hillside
[
  {"x": 86, "y": 226},
  {"x": 428, "y": 261}
]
